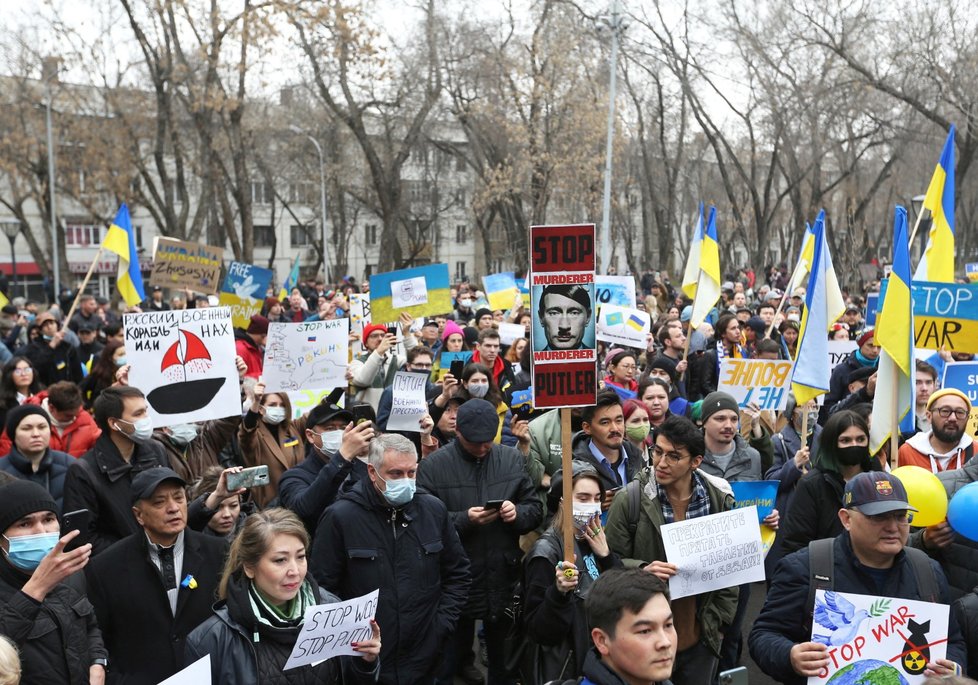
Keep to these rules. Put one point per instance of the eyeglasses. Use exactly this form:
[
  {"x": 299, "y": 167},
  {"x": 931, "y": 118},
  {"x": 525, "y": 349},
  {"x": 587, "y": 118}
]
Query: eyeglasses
[
  {"x": 945, "y": 412},
  {"x": 425, "y": 367},
  {"x": 24, "y": 371},
  {"x": 903, "y": 518},
  {"x": 674, "y": 457}
]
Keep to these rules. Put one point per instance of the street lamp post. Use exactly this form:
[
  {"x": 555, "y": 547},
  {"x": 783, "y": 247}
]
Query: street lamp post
[
  {"x": 322, "y": 197},
  {"x": 55, "y": 261},
  {"x": 11, "y": 229},
  {"x": 616, "y": 24}
]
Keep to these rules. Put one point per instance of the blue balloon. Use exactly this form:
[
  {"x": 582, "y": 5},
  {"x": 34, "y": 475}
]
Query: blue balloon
[{"x": 962, "y": 511}]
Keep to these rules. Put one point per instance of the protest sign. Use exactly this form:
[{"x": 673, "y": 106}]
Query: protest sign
[
  {"x": 197, "y": 673},
  {"x": 308, "y": 355},
  {"x": 183, "y": 265},
  {"x": 242, "y": 308},
  {"x": 420, "y": 291},
  {"x": 944, "y": 315},
  {"x": 359, "y": 311},
  {"x": 755, "y": 493},
  {"x": 616, "y": 290},
  {"x": 839, "y": 350},
  {"x": 184, "y": 361},
  {"x": 303, "y": 401},
  {"x": 408, "y": 401},
  {"x": 562, "y": 304},
  {"x": 971, "y": 271},
  {"x": 521, "y": 398},
  {"x": 872, "y": 305},
  {"x": 962, "y": 376},
  {"x": 766, "y": 382},
  {"x": 623, "y": 326},
  {"x": 510, "y": 332},
  {"x": 446, "y": 359},
  {"x": 247, "y": 280},
  {"x": 713, "y": 552},
  {"x": 873, "y": 639},
  {"x": 329, "y": 630},
  {"x": 501, "y": 290}
]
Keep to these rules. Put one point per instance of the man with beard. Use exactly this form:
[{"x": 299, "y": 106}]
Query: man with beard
[
  {"x": 601, "y": 443},
  {"x": 945, "y": 446}
]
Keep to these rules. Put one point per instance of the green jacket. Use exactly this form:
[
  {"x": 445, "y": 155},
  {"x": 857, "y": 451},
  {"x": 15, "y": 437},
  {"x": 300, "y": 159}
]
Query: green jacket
[{"x": 714, "y": 610}]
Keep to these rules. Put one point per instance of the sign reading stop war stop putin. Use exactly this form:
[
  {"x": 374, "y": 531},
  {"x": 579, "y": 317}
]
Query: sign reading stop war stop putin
[
  {"x": 945, "y": 314},
  {"x": 562, "y": 300}
]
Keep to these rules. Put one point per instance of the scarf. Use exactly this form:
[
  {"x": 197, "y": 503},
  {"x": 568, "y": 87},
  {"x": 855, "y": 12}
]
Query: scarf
[
  {"x": 289, "y": 616},
  {"x": 863, "y": 361}
]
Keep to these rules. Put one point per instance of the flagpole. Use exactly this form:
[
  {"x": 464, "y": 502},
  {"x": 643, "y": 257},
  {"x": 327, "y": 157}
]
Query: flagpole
[
  {"x": 770, "y": 326},
  {"x": 688, "y": 336},
  {"x": 895, "y": 426},
  {"x": 81, "y": 289},
  {"x": 916, "y": 225}
]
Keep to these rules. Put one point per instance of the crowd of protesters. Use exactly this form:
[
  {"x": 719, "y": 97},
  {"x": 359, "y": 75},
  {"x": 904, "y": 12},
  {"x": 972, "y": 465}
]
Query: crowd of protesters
[{"x": 127, "y": 556}]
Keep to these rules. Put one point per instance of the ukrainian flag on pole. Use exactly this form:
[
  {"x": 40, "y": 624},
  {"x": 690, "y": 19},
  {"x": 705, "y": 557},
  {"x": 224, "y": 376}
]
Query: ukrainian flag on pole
[
  {"x": 692, "y": 273},
  {"x": 937, "y": 264},
  {"x": 708, "y": 282},
  {"x": 804, "y": 265},
  {"x": 823, "y": 305},
  {"x": 121, "y": 240},
  {"x": 894, "y": 333},
  {"x": 290, "y": 282}
]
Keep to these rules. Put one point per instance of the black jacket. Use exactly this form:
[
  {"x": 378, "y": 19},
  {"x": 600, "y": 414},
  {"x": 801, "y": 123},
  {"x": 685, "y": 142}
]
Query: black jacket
[
  {"x": 581, "y": 446},
  {"x": 58, "y": 638},
  {"x": 50, "y": 474},
  {"x": 786, "y": 621},
  {"x": 145, "y": 640},
  {"x": 414, "y": 556},
  {"x": 313, "y": 484},
  {"x": 461, "y": 481},
  {"x": 598, "y": 673},
  {"x": 53, "y": 365},
  {"x": 101, "y": 481},
  {"x": 838, "y": 385}
]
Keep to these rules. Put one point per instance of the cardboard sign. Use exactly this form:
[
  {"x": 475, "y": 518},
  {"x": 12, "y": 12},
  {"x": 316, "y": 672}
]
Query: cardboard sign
[
  {"x": 562, "y": 304},
  {"x": 766, "y": 382},
  {"x": 501, "y": 290},
  {"x": 839, "y": 350},
  {"x": 311, "y": 355},
  {"x": 714, "y": 552},
  {"x": 755, "y": 493},
  {"x": 183, "y": 265},
  {"x": 197, "y": 673},
  {"x": 616, "y": 290},
  {"x": 247, "y": 280},
  {"x": 329, "y": 629},
  {"x": 184, "y": 361},
  {"x": 408, "y": 401},
  {"x": 359, "y": 311},
  {"x": 420, "y": 291},
  {"x": 877, "y": 639},
  {"x": 623, "y": 326},
  {"x": 242, "y": 308},
  {"x": 510, "y": 333}
]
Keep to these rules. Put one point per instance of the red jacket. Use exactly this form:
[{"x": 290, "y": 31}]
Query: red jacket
[
  {"x": 252, "y": 355},
  {"x": 76, "y": 439}
]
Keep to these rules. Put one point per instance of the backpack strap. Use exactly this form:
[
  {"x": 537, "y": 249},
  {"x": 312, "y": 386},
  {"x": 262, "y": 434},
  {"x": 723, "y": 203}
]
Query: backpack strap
[
  {"x": 821, "y": 564},
  {"x": 924, "y": 573},
  {"x": 634, "y": 495},
  {"x": 969, "y": 452}
]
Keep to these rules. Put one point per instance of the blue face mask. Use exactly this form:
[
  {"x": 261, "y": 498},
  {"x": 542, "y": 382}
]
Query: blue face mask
[
  {"x": 26, "y": 551},
  {"x": 120, "y": 361},
  {"x": 399, "y": 492}
]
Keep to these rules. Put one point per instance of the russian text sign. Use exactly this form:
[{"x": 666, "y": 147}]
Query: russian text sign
[{"x": 762, "y": 381}]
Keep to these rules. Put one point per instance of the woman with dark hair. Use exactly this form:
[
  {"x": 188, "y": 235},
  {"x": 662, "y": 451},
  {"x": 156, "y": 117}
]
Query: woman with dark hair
[
  {"x": 477, "y": 381},
  {"x": 654, "y": 393},
  {"x": 789, "y": 335},
  {"x": 19, "y": 380},
  {"x": 621, "y": 365},
  {"x": 215, "y": 510},
  {"x": 843, "y": 453},
  {"x": 103, "y": 373}
]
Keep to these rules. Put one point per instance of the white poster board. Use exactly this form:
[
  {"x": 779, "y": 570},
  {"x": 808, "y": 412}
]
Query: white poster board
[
  {"x": 359, "y": 311},
  {"x": 839, "y": 350},
  {"x": 624, "y": 326},
  {"x": 197, "y": 673},
  {"x": 714, "y": 552},
  {"x": 408, "y": 402},
  {"x": 311, "y": 355},
  {"x": 877, "y": 639},
  {"x": 510, "y": 333},
  {"x": 766, "y": 382},
  {"x": 616, "y": 290},
  {"x": 183, "y": 360},
  {"x": 329, "y": 629}
]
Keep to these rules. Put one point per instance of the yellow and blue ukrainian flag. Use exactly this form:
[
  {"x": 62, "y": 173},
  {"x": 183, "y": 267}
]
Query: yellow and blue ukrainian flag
[
  {"x": 121, "y": 240},
  {"x": 291, "y": 281},
  {"x": 708, "y": 282},
  {"x": 937, "y": 264}
]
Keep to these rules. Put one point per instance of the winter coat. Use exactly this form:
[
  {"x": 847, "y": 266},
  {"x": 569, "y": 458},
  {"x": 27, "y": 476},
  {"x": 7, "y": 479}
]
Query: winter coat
[
  {"x": 413, "y": 554},
  {"x": 101, "y": 481},
  {"x": 53, "y": 365},
  {"x": 314, "y": 484},
  {"x": 786, "y": 621},
  {"x": 609, "y": 481},
  {"x": 75, "y": 439},
  {"x": 598, "y": 673},
  {"x": 461, "y": 481},
  {"x": 250, "y": 351},
  {"x": 58, "y": 638},
  {"x": 714, "y": 610},
  {"x": 838, "y": 385},
  {"x": 277, "y": 447},
  {"x": 745, "y": 464},
  {"x": 50, "y": 474},
  {"x": 190, "y": 461}
]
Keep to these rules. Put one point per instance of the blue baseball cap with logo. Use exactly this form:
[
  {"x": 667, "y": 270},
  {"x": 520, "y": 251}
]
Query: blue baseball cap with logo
[{"x": 876, "y": 492}]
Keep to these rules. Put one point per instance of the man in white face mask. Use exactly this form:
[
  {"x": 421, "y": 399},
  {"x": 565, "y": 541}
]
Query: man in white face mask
[
  {"x": 334, "y": 452},
  {"x": 192, "y": 448},
  {"x": 100, "y": 480}
]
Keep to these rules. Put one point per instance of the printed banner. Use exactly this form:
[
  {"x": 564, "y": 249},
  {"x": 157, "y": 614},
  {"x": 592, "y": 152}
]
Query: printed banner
[
  {"x": 839, "y": 350},
  {"x": 329, "y": 630},
  {"x": 183, "y": 360},
  {"x": 963, "y": 376},
  {"x": 311, "y": 355},
  {"x": 359, "y": 311},
  {"x": 303, "y": 401},
  {"x": 877, "y": 639},
  {"x": 623, "y": 326},
  {"x": 408, "y": 402},
  {"x": 766, "y": 382},
  {"x": 501, "y": 290},
  {"x": 562, "y": 264},
  {"x": 714, "y": 552},
  {"x": 755, "y": 493},
  {"x": 616, "y": 290},
  {"x": 242, "y": 308},
  {"x": 183, "y": 265},
  {"x": 420, "y": 291},
  {"x": 247, "y": 280}
]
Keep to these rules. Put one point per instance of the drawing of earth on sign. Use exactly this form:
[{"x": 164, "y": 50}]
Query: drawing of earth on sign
[
  {"x": 184, "y": 362},
  {"x": 868, "y": 672}
]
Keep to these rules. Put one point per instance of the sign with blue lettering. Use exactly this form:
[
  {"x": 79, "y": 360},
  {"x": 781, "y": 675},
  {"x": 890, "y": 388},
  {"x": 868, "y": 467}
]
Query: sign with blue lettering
[
  {"x": 755, "y": 493},
  {"x": 962, "y": 376},
  {"x": 760, "y": 381}
]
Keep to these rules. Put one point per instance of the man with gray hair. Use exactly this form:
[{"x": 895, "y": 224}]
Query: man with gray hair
[{"x": 382, "y": 533}]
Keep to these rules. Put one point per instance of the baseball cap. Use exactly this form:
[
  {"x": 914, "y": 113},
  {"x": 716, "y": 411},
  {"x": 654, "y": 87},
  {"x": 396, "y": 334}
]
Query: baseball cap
[
  {"x": 875, "y": 492},
  {"x": 477, "y": 421},
  {"x": 324, "y": 412},
  {"x": 144, "y": 483}
]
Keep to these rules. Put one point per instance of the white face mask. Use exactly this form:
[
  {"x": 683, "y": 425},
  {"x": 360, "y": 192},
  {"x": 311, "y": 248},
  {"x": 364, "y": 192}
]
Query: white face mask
[
  {"x": 583, "y": 511},
  {"x": 142, "y": 429},
  {"x": 183, "y": 433},
  {"x": 331, "y": 440},
  {"x": 274, "y": 415},
  {"x": 479, "y": 390}
]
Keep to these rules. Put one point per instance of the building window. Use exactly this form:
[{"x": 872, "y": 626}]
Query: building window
[
  {"x": 461, "y": 234},
  {"x": 264, "y": 236},
  {"x": 419, "y": 154},
  {"x": 261, "y": 193},
  {"x": 460, "y": 163},
  {"x": 303, "y": 193},
  {"x": 82, "y": 235},
  {"x": 299, "y": 236},
  {"x": 459, "y": 271},
  {"x": 370, "y": 234}
]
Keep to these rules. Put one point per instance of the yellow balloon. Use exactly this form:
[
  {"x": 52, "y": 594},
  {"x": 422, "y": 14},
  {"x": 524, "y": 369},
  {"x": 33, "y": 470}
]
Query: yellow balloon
[{"x": 926, "y": 494}]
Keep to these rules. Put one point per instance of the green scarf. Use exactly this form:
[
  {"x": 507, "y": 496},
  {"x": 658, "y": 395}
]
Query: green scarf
[{"x": 288, "y": 616}]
